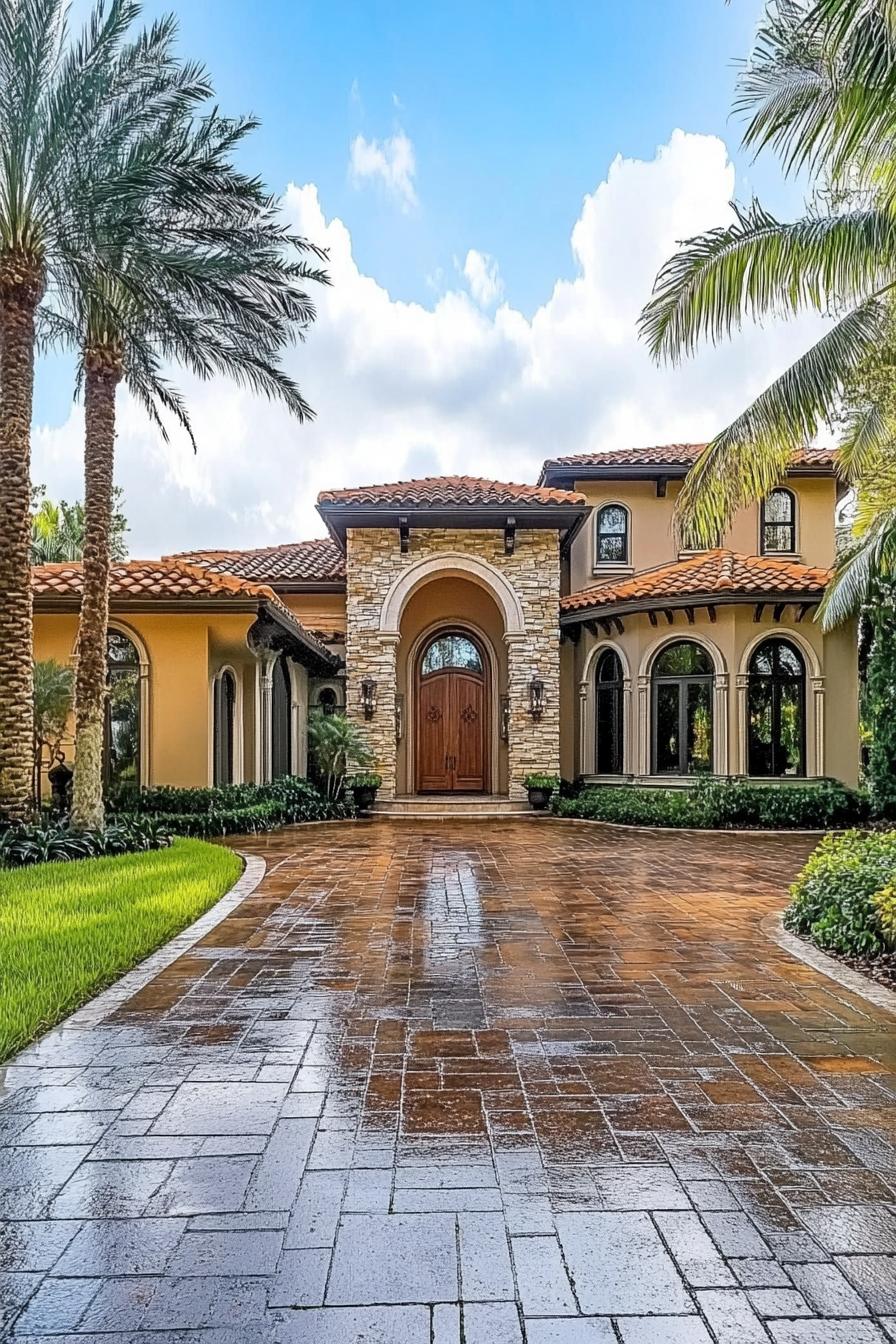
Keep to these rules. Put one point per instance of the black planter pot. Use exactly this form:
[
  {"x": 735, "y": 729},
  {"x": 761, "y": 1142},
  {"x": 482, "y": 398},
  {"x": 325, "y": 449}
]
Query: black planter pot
[
  {"x": 539, "y": 799},
  {"x": 365, "y": 797}
]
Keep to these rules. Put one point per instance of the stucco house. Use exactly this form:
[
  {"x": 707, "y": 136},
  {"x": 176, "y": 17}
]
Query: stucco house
[{"x": 479, "y": 630}]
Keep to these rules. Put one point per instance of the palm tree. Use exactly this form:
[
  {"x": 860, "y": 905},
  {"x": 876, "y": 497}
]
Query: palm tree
[
  {"x": 57, "y": 532},
  {"x": 58, "y": 100},
  {"x": 196, "y": 269},
  {"x": 821, "y": 91}
]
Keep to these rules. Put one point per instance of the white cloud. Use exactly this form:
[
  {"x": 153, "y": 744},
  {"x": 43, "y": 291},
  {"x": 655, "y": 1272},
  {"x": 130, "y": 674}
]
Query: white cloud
[
  {"x": 390, "y": 162},
  {"x": 404, "y": 389},
  {"x": 481, "y": 273}
]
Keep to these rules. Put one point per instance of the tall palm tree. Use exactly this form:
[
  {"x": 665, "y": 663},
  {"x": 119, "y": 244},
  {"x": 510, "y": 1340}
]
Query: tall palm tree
[
  {"x": 56, "y": 97},
  {"x": 821, "y": 91},
  {"x": 195, "y": 268},
  {"x": 57, "y": 531}
]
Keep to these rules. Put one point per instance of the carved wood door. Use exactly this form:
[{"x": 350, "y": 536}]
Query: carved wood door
[{"x": 451, "y": 719}]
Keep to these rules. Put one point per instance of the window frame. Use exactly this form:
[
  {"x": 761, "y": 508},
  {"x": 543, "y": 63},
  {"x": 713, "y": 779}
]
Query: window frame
[
  {"x": 614, "y": 688},
  {"x": 140, "y": 668},
  {"x": 777, "y": 680},
  {"x": 225, "y": 675},
  {"x": 682, "y": 681},
  {"x": 765, "y": 523},
  {"x": 626, "y": 560}
]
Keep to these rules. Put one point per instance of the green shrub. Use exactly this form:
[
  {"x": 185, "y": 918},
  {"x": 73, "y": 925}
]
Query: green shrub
[
  {"x": 364, "y": 779},
  {"x": 52, "y": 841},
  {"x": 839, "y": 898},
  {"x": 550, "y": 783},
  {"x": 722, "y": 805},
  {"x": 880, "y": 704},
  {"x": 231, "y": 809}
]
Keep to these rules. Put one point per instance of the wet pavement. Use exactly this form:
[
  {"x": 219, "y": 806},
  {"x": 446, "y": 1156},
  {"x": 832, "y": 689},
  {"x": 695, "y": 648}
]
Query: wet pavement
[{"x": 483, "y": 1082}]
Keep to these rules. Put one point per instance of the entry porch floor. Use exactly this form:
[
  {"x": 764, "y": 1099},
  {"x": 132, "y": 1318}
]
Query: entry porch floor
[{"x": 485, "y": 1081}]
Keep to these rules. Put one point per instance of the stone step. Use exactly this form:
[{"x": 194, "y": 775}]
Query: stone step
[{"x": 441, "y": 808}]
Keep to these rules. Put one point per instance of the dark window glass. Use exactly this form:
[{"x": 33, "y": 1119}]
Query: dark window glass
[
  {"x": 608, "y": 714},
  {"x": 776, "y": 698},
  {"x": 327, "y": 701},
  {"x": 682, "y": 710},
  {"x": 281, "y": 721},
  {"x": 224, "y": 726},
  {"x": 612, "y": 534},
  {"x": 123, "y": 727},
  {"x": 779, "y": 522},
  {"x": 451, "y": 651}
]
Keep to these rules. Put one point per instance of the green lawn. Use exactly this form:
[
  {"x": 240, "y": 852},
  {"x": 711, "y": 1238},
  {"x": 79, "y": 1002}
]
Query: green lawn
[{"x": 69, "y": 929}]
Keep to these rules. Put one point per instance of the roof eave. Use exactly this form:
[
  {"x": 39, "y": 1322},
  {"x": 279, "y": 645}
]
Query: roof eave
[
  {"x": 706, "y": 598},
  {"x": 560, "y": 517},
  {"x": 563, "y": 475}
]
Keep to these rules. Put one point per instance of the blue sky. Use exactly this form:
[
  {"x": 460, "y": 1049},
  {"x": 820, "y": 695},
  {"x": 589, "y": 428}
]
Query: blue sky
[{"x": 498, "y": 183}]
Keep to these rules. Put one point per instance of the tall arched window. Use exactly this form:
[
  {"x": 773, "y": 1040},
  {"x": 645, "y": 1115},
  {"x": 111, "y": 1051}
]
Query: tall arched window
[
  {"x": 608, "y": 714},
  {"x": 779, "y": 522},
  {"x": 224, "y": 727},
  {"x": 776, "y": 710},
  {"x": 123, "y": 726},
  {"x": 682, "y": 686},
  {"x": 281, "y": 720},
  {"x": 611, "y": 545}
]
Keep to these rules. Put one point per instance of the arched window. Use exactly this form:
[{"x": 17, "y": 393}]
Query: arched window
[
  {"x": 452, "y": 650},
  {"x": 611, "y": 535},
  {"x": 779, "y": 522},
  {"x": 682, "y": 685},
  {"x": 224, "y": 707},
  {"x": 123, "y": 726},
  {"x": 327, "y": 702},
  {"x": 776, "y": 714},
  {"x": 281, "y": 720},
  {"x": 608, "y": 714}
]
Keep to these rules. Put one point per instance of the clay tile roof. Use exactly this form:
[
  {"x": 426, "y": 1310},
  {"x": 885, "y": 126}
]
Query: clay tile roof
[
  {"x": 440, "y": 492},
  {"x": 317, "y": 561},
  {"x": 704, "y": 575},
  {"x": 677, "y": 454},
  {"x": 147, "y": 579}
]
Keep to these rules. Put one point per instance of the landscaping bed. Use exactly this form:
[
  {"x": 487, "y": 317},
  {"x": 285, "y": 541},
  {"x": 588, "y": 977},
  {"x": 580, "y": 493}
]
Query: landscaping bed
[
  {"x": 67, "y": 930},
  {"x": 715, "y": 805},
  {"x": 233, "y": 809}
]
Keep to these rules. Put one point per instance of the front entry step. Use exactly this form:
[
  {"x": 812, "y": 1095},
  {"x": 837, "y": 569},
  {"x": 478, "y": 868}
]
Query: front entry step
[{"x": 452, "y": 807}]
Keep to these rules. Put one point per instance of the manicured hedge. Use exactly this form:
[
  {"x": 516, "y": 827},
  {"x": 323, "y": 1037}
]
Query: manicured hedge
[
  {"x": 845, "y": 898},
  {"x": 715, "y": 805},
  {"x": 232, "y": 809}
]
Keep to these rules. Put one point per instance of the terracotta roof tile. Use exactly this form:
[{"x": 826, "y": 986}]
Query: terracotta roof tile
[
  {"x": 147, "y": 578},
  {"x": 316, "y": 561},
  {"x": 448, "y": 492},
  {"x": 676, "y": 454},
  {"x": 702, "y": 575}
]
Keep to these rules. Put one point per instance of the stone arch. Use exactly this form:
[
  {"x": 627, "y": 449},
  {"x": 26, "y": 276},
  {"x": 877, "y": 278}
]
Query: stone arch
[{"x": 445, "y": 565}]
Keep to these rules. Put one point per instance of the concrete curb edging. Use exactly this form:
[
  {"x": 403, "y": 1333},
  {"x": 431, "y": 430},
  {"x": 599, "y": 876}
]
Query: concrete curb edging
[
  {"x": 96, "y": 1010},
  {"x": 773, "y": 927}
]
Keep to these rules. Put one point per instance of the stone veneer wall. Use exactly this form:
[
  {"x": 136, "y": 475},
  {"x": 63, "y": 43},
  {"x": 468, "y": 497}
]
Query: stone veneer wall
[{"x": 374, "y": 561}]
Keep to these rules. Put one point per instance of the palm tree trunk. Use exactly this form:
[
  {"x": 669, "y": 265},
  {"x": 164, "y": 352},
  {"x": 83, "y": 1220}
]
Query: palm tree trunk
[
  {"x": 102, "y": 376},
  {"x": 21, "y": 287}
]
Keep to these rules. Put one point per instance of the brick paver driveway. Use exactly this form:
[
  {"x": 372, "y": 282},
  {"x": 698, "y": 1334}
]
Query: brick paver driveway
[{"x": 553, "y": 1073}]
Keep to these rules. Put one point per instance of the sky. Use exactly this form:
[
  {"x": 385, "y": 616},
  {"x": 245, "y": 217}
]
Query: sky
[{"x": 497, "y": 185}]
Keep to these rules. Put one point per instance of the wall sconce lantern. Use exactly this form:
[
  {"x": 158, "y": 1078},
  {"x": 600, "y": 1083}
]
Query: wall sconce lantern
[
  {"x": 536, "y": 698},
  {"x": 368, "y": 697}
]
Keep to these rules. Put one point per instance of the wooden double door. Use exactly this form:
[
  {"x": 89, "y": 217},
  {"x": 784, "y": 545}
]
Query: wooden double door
[{"x": 452, "y": 731}]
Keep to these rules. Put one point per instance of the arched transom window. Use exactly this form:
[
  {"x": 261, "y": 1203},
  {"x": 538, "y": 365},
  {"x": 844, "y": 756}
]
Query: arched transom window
[
  {"x": 611, "y": 535},
  {"x": 682, "y": 689},
  {"x": 779, "y": 522},
  {"x": 608, "y": 714},
  {"x": 123, "y": 725},
  {"x": 776, "y": 710},
  {"x": 451, "y": 651}
]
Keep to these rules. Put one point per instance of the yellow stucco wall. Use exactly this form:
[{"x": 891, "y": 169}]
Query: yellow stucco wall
[{"x": 652, "y": 535}]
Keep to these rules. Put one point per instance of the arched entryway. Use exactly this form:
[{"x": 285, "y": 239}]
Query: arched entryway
[{"x": 452, "y": 714}]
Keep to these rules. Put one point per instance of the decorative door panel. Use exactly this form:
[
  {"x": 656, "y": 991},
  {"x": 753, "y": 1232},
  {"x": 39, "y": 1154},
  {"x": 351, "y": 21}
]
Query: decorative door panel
[
  {"x": 433, "y": 733},
  {"x": 468, "y": 724}
]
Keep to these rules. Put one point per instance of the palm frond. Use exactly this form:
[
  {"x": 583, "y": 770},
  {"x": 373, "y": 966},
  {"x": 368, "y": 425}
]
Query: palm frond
[{"x": 856, "y": 576}]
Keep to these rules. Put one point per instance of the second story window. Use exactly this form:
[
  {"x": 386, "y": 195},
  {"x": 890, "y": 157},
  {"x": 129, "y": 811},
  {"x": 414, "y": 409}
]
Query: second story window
[
  {"x": 779, "y": 522},
  {"x": 611, "y": 532}
]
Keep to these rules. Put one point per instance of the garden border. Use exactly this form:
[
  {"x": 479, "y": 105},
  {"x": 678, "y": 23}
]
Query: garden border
[
  {"x": 105, "y": 1003},
  {"x": 773, "y": 928},
  {"x": 691, "y": 830}
]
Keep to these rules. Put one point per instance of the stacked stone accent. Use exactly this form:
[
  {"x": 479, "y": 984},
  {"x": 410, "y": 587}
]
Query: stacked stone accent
[{"x": 374, "y": 561}]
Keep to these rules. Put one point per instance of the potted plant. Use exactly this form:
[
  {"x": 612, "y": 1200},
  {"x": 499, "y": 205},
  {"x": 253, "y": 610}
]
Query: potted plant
[
  {"x": 540, "y": 788},
  {"x": 364, "y": 786}
]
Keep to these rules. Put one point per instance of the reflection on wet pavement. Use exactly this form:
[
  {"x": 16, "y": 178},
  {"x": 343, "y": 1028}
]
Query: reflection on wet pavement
[{"x": 490, "y": 1081}]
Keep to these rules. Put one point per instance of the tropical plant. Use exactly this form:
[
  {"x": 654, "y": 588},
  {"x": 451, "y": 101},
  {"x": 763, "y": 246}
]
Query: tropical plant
[
  {"x": 60, "y": 100},
  {"x": 819, "y": 90},
  {"x": 57, "y": 531},
  {"x": 195, "y": 267},
  {"x": 52, "y": 707},
  {"x": 337, "y": 745},
  {"x": 842, "y": 899}
]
